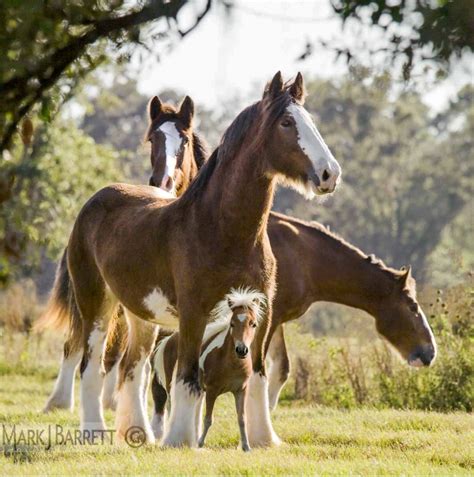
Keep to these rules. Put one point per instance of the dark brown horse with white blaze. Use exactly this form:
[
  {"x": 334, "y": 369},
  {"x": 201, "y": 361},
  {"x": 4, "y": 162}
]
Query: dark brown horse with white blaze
[
  {"x": 174, "y": 143},
  {"x": 130, "y": 246}
]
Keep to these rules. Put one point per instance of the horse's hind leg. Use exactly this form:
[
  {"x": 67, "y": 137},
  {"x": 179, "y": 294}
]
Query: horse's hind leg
[
  {"x": 279, "y": 366},
  {"x": 115, "y": 345},
  {"x": 62, "y": 396},
  {"x": 96, "y": 314},
  {"x": 133, "y": 376},
  {"x": 160, "y": 396}
]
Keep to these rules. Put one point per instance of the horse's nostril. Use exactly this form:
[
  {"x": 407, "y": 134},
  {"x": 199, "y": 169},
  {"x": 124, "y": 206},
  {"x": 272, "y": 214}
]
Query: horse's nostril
[
  {"x": 326, "y": 175},
  {"x": 241, "y": 351}
]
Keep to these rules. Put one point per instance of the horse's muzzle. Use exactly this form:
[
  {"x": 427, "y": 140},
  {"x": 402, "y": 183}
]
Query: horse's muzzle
[
  {"x": 242, "y": 351},
  {"x": 422, "y": 356}
]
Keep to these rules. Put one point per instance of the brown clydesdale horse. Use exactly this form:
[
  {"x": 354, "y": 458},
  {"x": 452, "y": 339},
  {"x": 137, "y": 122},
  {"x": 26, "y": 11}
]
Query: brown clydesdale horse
[
  {"x": 174, "y": 144},
  {"x": 165, "y": 259}
]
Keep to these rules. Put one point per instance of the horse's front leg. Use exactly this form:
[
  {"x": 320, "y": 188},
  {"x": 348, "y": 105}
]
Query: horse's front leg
[
  {"x": 260, "y": 429},
  {"x": 240, "y": 399},
  {"x": 186, "y": 393},
  {"x": 279, "y": 364},
  {"x": 211, "y": 397},
  {"x": 133, "y": 376}
]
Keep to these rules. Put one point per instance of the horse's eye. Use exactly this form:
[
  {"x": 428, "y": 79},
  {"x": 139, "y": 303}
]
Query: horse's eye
[
  {"x": 414, "y": 308},
  {"x": 232, "y": 325},
  {"x": 286, "y": 123},
  {"x": 254, "y": 325}
]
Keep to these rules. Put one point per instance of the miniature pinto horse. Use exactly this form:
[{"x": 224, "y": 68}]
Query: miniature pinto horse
[
  {"x": 225, "y": 361},
  {"x": 177, "y": 153},
  {"x": 131, "y": 246}
]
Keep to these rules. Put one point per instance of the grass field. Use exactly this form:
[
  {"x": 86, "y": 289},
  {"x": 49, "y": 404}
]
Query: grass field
[{"x": 317, "y": 440}]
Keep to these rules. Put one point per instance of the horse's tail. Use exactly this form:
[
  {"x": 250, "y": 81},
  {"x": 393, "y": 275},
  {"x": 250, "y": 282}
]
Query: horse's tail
[{"x": 61, "y": 312}]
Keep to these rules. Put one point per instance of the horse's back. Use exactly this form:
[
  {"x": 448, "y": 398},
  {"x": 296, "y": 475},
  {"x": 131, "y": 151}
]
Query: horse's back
[{"x": 127, "y": 195}]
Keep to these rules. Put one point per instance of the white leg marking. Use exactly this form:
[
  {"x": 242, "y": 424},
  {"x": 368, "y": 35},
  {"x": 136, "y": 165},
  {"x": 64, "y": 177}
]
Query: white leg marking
[
  {"x": 159, "y": 361},
  {"x": 275, "y": 384},
  {"x": 260, "y": 430},
  {"x": 92, "y": 383},
  {"x": 181, "y": 427},
  {"x": 62, "y": 396},
  {"x": 130, "y": 403},
  {"x": 158, "y": 424},
  {"x": 200, "y": 406},
  {"x": 110, "y": 383}
]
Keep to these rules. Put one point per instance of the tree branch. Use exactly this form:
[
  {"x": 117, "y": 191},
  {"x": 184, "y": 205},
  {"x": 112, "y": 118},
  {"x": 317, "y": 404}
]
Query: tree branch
[{"x": 51, "y": 69}]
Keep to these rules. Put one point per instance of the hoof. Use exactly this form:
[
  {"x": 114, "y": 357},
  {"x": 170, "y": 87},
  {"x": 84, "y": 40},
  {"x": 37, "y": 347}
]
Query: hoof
[{"x": 53, "y": 405}]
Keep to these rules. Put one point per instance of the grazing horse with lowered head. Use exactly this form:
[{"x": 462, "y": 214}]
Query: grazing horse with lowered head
[
  {"x": 174, "y": 143},
  {"x": 225, "y": 361},
  {"x": 131, "y": 246},
  {"x": 317, "y": 265}
]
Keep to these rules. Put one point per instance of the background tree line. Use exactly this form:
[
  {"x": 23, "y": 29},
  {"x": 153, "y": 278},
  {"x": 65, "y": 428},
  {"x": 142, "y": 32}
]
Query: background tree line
[{"x": 406, "y": 187}]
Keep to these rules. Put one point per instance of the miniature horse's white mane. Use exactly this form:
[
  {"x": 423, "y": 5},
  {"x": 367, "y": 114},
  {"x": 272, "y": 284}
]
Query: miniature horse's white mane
[{"x": 221, "y": 314}]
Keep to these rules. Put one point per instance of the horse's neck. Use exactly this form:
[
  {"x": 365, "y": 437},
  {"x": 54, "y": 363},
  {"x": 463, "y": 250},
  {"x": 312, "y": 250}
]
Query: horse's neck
[
  {"x": 343, "y": 275},
  {"x": 239, "y": 198},
  {"x": 189, "y": 170}
]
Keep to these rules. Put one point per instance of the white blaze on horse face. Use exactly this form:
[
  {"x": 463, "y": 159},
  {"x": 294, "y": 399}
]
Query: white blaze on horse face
[
  {"x": 313, "y": 145},
  {"x": 159, "y": 306},
  {"x": 173, "y": 142},
  {"x": 242, "y": 317}
]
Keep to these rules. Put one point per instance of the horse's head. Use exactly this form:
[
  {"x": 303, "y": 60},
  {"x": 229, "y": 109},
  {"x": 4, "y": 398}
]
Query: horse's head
[
  {"x": 246, "y": 307},
  {"x": 402, "y": 322},
  {"x": 242, "y": 329},
  {"x": 170, "y": 133},
  {"x": 297, "y": 152}
]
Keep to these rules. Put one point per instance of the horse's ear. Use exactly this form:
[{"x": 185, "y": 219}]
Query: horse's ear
[
  {"x": 297, "y": 90},
  {"x": 275, "y": 87},
  {"x": 154, "y": 108},
  {"x": 186, "y": 111},
  {"x": 257, "y": 302},
  {"x": 406, "y": 274}
]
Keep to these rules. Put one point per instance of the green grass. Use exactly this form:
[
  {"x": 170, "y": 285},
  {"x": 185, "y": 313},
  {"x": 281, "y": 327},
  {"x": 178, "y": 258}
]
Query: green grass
[{"x": 317, "y": 441}]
